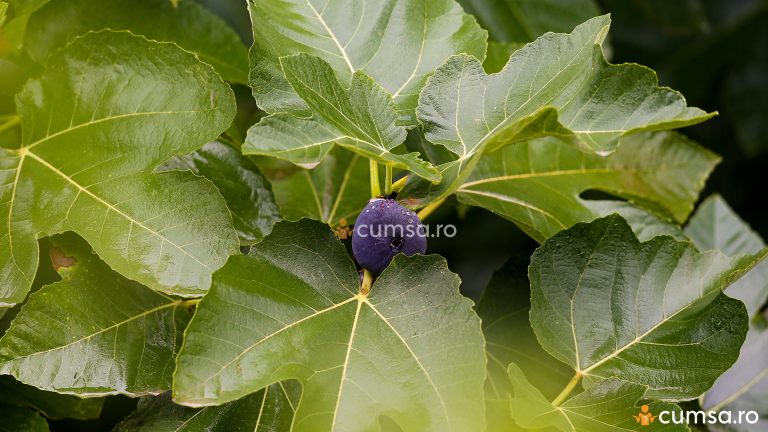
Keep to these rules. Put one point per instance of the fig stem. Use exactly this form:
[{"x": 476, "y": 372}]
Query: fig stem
[
  {"x": 399, "y": 185},
  {"x": 426, "y": 211},
  {"x": 365, "y": 286},
  {"x": 375, "y": 186},
  {"x": 567, "y": 390},
  {"x": 388, "y": 179}
]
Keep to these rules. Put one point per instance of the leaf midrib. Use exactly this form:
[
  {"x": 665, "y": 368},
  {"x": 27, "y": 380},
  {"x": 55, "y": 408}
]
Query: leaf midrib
[
  {"x": 332, "y": 35},
  {"x": 361, "y": 299},
  {"x": 24, "y": 152},
  {"x": 156, "y": 309}
]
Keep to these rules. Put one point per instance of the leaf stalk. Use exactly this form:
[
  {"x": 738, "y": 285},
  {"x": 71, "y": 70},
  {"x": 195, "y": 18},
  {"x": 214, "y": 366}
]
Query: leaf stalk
[
  {"x": 567, "y": 390},
  {"x": 375, "y": 186},
  {"x": 388, "y": 179},
  {"x": 426, "y": 211},
  {"x": 13, "y": 121}
]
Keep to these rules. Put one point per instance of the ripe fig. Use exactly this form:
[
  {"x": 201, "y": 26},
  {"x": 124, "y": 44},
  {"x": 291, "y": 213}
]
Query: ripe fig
[{"x": 383, "y": 230}]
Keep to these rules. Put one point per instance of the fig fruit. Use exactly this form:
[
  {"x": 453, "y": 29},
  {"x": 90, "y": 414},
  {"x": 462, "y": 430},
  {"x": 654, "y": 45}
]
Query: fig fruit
[{"x": 383, "y": 230}]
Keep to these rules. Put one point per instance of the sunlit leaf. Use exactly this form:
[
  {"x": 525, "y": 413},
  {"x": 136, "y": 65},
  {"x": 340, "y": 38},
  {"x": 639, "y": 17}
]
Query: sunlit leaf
[
  {"x": 109, "y": 109},
  {"x": 410, "y": 350},
  {"x": 651, "y": 313},
  {"x": 95, "y": 332},
  {"x": 608, "y": 406},
  {"x": 509, "y": 339},
  {"x": 361, "y": 119},
  {"x": 560, "y": 85},
  {"x": 398, "y": 43}
]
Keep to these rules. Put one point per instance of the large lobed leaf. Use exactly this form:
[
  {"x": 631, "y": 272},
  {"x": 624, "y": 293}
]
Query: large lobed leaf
[
  {"x": 190, "y": 25},
  {"x": 361, "y": 119},
  {"x": 94, "y": 333},
  {"x": 398, "y": 43},
  {"x": 560, "y": 85},
  {"x": 743, "y": 387},
  {"x": 666, "y": 323},
  {"x": 108, "y": 110},
  {"x": 410, "y": 350},
  {"x": 538, "y": 184}
]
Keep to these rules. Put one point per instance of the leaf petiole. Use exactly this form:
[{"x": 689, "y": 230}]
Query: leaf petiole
[
  {"x": 567, "y": 390},
  {"x": 388, "y": 179},
  {"x": 10, "y": 123},
  {"x": 426, "y": 211},
  {"x": 375, "y": 186}
]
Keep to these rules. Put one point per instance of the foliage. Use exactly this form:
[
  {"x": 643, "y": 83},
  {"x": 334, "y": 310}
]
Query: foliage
[{"x": 165, "y": 239}]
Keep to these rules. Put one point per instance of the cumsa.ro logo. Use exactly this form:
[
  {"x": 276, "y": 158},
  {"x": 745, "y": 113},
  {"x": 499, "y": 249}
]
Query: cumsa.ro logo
[{"x": 644, "y": 417}]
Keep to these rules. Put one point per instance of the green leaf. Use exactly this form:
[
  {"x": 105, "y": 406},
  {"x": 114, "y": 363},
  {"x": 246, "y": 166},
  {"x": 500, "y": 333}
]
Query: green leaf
[
  {"x": 50, "y": 404},
  {"x": 584, "y": 102},
  {"x": 509, "y": 339},
  {"x": 410, "y": 350},
  {"x": 160, "y": 414},
  {"x": 337, "y": 188},
  {"x": 397, "y": 43},
  {"x": 91, "y": 141},
  {"x": 190, "y": 25},
  {"x": 3, "y": 9},
  {"x": 95, "y": 333},
  {"x": 245, "y": 190},
  {"x": 538, "y": 184},
  {"x": 560, "y": 85},
  {"x": 744, "y": 387},
  {"x": 716, "y": 226},
  {"x": 526, "y": 20},
  {"x": 360, "y": 119},
  {"x": 17, "y": 419},
  {"x": 663, "y": 321},
  {"x": 608, "y": 406}
]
